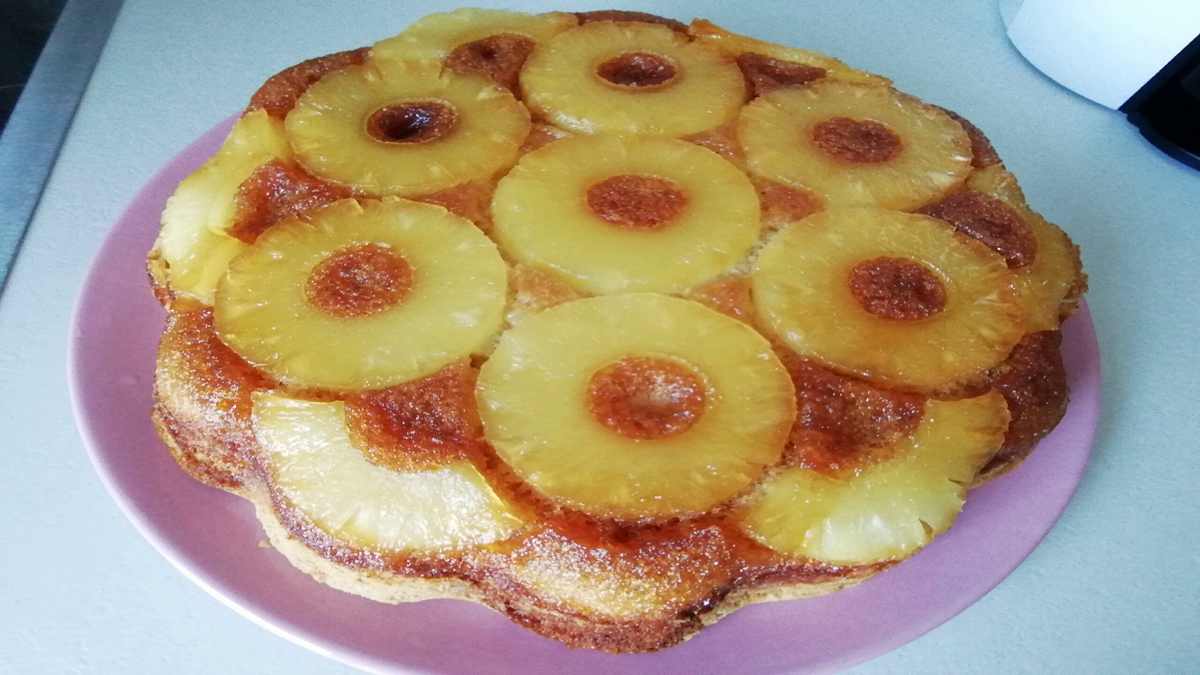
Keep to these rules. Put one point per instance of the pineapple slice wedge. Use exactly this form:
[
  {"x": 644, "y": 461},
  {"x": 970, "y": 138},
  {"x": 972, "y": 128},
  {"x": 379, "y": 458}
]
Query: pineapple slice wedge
[
  {"x": 362, "y": 295},
  {"x": 617, "y": 214},
  {"x": 735, "y": 46},
  {"x": 194, "y": 241},
  {"x": 405, "y": 128},
  {"x": 887, "y": 510},
  {"x": 631, "y": 78},
  {"x": 1049, "y": 287},
  {"x": 891, "y": 297},
  {"x": 636, "y": 407},
  {"x": 491, "y": 42},
  {"x": 311, "y": 462},
  {"x": 856, "y": 145}
]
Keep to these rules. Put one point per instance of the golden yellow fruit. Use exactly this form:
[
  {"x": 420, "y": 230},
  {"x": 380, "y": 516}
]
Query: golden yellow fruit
[
  {"x": 194, "y": 240},
  {"x": 362, "y": 295},
  {"x": 311, "y": 462},
  {"x": 635, "y": 407},
  {"x": 889, "y": 509},
  {"x": 1050, "y": 286},
  {"x": 436, "y": 36},
  {"x": 405, "y": 128},
  {"x": 854, "y": 144},
  {"x": 631, "y": 78},
  {"x": 618, "y": 214},
  {"x": 896, "y": 298}
]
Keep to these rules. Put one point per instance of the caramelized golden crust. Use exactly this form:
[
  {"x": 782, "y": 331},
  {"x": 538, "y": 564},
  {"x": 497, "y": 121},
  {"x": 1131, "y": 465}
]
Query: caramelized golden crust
[
  {"x": 623, "y": 15},
  {"x": 728, "y": 295},
  {"x": 988, "y": 220},
  {"x": 275, "y": 191},
  {"x": 279, "y": 94},
  {"x": 498, "y": 57},
  {"x": 782, "y": 204},
  {"x": 1034, "y": 383},
  {"x": 471, "y": 200},
  {"x": 202, "y": 397},
  {"x": 418, "y": 424},
  {"x": 764, "y": 74},
  {"x": 840, "y": 421},
  {"x": 982, "y": 152},
  {"x": 535, "y": 289},
  {"x": 721, "y": 140}
]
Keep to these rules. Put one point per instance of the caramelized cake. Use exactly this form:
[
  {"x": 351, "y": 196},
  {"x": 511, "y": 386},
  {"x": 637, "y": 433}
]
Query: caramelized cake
[{"x": 608, "y": 322}]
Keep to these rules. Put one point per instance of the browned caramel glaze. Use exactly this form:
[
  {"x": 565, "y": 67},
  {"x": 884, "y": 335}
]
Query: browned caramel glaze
[
  {"x": 471, "y": 200},
  {"x": 764, "y": 74},
  {"x": 622, "y": 15},
  {"x": 721, "y": 140},
  {"x": 856, "y": 141},
  {"x": 279, "y": 94},
  {"x": 412, "y": 122},
  {"x": 637, "y": 70},
  {"x": 1034, "y": 383},
  {"x": 359, "y": 281},
  {"x": 982, "y": 152},
  {"x": 275, "y": 191},
  {"x": 499, "y": 57},
  {"x": 782, "y": 204},
  {"x": 990, "y": 221},
  {"x": 646, "y": 398},
  {"x": 540, "y": 135},
  {"x": 418, "y": 424},
  {"x": 842, "y": 423},
  {"x": 202, "y": 393},
  {"x": 897, "y": 288},
  {"x": 728, "y": 295},
  {"x": 637, "y": 202},
  {"x": 537, "y": 289}
]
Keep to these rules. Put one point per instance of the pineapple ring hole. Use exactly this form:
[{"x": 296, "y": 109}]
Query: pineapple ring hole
[
  {"x": 897, "y": 288},
  {"x": 645, "y": 398},
  {"x": 638, "y": 70},
  {"x": 499, "y": 57},
  {"x": 412, "y": 122},
  {"x": 856, "y": 141},
  {"x": 637, "y": 202},
  {"x": 359, "y": 281}
]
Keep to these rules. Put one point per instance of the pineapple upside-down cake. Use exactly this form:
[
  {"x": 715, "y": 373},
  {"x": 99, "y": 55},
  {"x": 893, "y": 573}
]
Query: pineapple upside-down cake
[{"x": 611, "y": 323}]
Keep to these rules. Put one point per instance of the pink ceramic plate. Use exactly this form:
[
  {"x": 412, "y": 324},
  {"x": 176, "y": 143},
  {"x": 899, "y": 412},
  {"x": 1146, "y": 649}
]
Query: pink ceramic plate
[{"x": 212, "y": 536}]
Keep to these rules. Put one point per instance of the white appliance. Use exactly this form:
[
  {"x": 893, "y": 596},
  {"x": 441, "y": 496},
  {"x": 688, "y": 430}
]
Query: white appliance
[{"x": 1141, "y": 57}]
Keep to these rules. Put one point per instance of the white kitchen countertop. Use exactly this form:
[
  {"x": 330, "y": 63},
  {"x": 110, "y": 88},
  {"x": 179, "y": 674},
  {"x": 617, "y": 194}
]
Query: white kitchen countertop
[{"x": 1112, "y": 589}]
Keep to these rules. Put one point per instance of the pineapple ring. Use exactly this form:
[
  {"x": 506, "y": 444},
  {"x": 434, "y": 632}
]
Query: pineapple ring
[
  {"x": 829, "y": 137},
  {"x": 195, "y": 241},
  {"x": 437, "y": 36},
  {"x": 890, "y": 509},
  {"x": 265, "y": 309},
  {"x": 702, "y": 217},
  {"x": 801, "y": 286},
  {"x": 439, "y": 128},
  {"x": 534, "y": 402},
  {"x": 1050, "y": 286},
  {"x": 312, "y": 463},
  {"x": 691, "y": 88}
]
